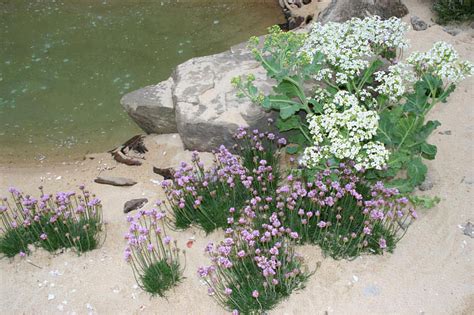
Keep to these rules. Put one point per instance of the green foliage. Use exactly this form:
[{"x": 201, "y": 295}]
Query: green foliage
[
  {"x": 343, "y": 214},
  {"x": 204, "y": 196},
  {"x": 246, "y": 278},
  {"x": 160, "y": 277},
  {"x": 82, "y": 235},
  {"x": 53, "y": 223},
  {"x": 426, "y": 202},
  {"x": 279, "y": 56},
  {"x": 14, "y": 241},
  {"x": 454, "y": 10},
  {"x": 404, "y": 132}
]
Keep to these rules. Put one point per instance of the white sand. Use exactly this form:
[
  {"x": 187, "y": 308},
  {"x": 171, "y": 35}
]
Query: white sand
[{"x": 431, "y": 270}]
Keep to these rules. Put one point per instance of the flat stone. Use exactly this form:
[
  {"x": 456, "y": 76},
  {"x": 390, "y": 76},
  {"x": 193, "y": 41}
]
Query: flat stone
[
  {"x": 418, "y": 24},
  {"x": 152, "y": 107},
  {"x": 451, "y": 30},
  {"x": 343, "y": 10},
  {"x": 115, "y": 181},
  {"x": 134, "y": 204}
]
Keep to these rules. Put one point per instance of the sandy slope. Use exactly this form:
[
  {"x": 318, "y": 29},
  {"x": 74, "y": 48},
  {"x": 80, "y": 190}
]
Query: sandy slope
[{"x": 430, "y": 272}]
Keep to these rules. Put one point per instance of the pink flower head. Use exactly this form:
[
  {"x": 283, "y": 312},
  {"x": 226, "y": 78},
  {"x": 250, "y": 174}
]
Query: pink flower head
[
  {"x": 322, "y": 224},
  {"x": 43, "y": 236},
  {"x": 22, "y": 254},
  {"x": 167, "y": 239},
  {"x": 255, "y": 294},
  {"x": 382, "y": 243}
]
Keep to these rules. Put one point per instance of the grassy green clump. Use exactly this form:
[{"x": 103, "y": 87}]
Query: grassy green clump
[
  {"x": 154, "y": 258},
  {"x": 344, "y": 214},
  {"x": 66, "y": 220},
  {"x": 211, "y": 198},
  {"x": 160, "y": 277},
  {"x": 15, "y": 241},
  {"x": 454, "y": 10}
]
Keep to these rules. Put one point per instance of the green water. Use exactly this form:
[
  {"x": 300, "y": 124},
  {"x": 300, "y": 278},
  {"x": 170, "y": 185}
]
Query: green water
[{"x": 64, "y": 65}]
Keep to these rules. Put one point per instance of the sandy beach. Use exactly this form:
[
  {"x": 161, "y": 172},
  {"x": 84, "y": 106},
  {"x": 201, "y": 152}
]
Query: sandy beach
[{"x": 430, "y": 272}]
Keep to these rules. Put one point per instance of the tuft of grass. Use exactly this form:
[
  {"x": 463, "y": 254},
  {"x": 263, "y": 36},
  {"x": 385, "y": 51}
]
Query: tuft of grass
[
  {"x": 82, "y": 235},
  {"x": 454, "y": 10},
  {"x": 343, "y": 214},
  {"x": 15, "y": 241},
  {"x": 66, "y": 220},
  {"x": 160, "y": 277},
  {"x": 205, "y": 196},
  {"x": 154, "y": 258}
]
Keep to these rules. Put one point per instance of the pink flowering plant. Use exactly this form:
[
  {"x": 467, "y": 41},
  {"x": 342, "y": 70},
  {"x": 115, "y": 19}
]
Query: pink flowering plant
[
  {"x": 344, "y": 214},
  {"x": 153, "y": 255},
  {"x": 66, "y": 220},
  {"x": 253, "y": 268},
  {"x": 199, "y": 196}
]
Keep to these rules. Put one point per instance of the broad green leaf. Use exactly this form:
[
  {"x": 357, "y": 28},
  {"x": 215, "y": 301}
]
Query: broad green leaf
[
  {"x": 293, "y": 122},
  {"x": 417, "y": 101},
  {"x": 287, "y": 88},
  {"x": 416, "y": 171},
  {"x": 404, "y": 130},
  {"x": 426, "y": 202},
  {"x": 288, "y": 110},
  {"x": 293, "y": 149},
  {"x": 403, "y": 185},
  {"x": 428, "y": 151},
  {"x": 425, "y": 131},
  {"x": 297, "y": 138}
]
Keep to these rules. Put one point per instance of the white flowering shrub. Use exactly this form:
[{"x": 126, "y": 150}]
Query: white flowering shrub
[
  {"x": 344, "y": 94},
  {"x": 344, "y": 131}
]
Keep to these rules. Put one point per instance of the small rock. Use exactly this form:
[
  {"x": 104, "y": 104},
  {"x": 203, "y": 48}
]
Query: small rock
[
  {"x": 371, "y": 290},
  {"x": 426, "y": 185},
  {"x": 115, "y": 181},
  {"x": 452, "y": 31},
  {"x": 167, "y": 173},
  {"x": 468, "y": 229},
  {"x": 51, "y": 297},
  {"x": 418, "y": 24},
  {"x": 445, "y": 133},
  {"x": 134, "y": 204}
]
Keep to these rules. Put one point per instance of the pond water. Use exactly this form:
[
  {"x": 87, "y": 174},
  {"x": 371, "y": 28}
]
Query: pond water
[{"x": 64, "y": 65}]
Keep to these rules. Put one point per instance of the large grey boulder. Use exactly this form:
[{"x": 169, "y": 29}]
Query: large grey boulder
[
  {"x": 152, "y": 107},
  {"x": 343, "y": 10},
  {"x": 208, "y": 110}
]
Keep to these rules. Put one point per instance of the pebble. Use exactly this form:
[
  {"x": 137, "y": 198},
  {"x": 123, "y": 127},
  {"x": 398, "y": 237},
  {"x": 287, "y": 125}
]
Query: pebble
[
  {"x": 51, "y": 297},
  {"x": 371, "y": 290},
  {"x": 447, "y": 132},
  {"x": 468, "y": 229},
  {"x": 418, "y": 24}
]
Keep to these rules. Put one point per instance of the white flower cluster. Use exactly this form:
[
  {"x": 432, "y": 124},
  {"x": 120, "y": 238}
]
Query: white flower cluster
[
  {"x": 348, "y": 47},
  {"x": 442, "y": 61},
  {"x": 344, "y": 131},
  {"x": 394, "y": 82}
]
